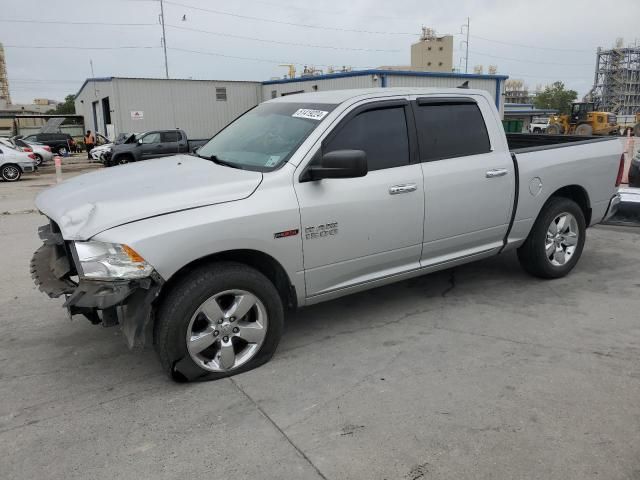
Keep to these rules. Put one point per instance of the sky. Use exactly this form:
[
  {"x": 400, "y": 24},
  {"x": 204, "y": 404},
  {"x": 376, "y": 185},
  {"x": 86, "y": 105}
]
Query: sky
[{"x": 537, "y": 41}]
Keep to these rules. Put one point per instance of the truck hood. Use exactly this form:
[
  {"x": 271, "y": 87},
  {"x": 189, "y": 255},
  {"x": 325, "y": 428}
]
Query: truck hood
[{"x": 91, "y": 203}]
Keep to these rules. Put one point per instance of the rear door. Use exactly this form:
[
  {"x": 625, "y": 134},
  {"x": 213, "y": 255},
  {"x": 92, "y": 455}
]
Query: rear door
[
  {"x": 170, "y": 141},
  {"x": 356, "y": 230},
  {"x": 469, "y": 177}
]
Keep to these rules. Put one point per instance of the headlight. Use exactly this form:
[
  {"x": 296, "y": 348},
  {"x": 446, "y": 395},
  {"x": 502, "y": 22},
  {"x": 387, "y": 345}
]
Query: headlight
[{"x": 110, "y": 261}]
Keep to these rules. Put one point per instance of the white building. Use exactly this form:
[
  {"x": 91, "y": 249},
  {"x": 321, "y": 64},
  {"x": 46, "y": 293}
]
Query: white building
[{"x": 115, "y": 105}]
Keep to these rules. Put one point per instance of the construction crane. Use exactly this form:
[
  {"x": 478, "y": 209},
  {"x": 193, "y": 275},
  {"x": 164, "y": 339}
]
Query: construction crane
[{"x": 292, "y": 69}]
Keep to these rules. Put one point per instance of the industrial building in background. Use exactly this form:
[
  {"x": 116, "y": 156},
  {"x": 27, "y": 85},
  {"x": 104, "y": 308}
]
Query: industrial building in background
[
  {"x": 616, "y": 87},
  {"x": 432, "y": 53}
]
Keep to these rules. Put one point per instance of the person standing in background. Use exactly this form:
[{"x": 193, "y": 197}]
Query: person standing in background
[{"x": 89, "y": 143}]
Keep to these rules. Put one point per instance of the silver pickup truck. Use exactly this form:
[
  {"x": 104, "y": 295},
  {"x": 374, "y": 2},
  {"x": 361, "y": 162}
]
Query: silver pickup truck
[{"x": 306, "y": 198}]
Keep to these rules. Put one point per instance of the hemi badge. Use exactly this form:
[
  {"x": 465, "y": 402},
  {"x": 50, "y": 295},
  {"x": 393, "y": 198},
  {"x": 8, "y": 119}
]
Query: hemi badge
[{"x": 286, "y": 233}]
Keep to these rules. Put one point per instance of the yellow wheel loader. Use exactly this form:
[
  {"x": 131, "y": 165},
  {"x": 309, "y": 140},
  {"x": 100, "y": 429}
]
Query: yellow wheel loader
[{"x": 583, "y": 121}]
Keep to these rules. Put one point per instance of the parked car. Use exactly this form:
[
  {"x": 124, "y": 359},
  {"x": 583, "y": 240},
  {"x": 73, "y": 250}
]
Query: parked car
[
  {"x": 13, "y": 163},
  {"x": 538, "y": 125},
  {"x": 100, "y": 152},
  {"x": 634, "y": 171},
  {"x": 42, "y": 152},
  {"x": 60, "y": 143},
  {"x": 154, "y": 144},
  {"x": 201, "y": 255}
]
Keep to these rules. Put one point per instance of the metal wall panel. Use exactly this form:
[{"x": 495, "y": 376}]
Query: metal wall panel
[
  {"x": 189, "y": 105},
  {"x": 488, "y": 84},
  {"x": 344, "y": 83},
  {"x": 92, "y": 92}
]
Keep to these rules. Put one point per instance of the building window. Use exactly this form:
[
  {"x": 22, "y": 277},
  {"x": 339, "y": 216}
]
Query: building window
[
  {"x": 221, "y": 93},
  {"x": 428, "y": 48},
  {"x": 274, "y": 93},
  {"x": 441, "y": 48},
  {"x": 439, "y": 64},
  {"x": 429, "y": 64}
]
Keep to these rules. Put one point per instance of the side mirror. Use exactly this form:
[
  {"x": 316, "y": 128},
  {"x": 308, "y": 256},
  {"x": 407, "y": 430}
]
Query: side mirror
[
  {"x": 139, "y": 141},
  {"x": 338, "y": 164}
]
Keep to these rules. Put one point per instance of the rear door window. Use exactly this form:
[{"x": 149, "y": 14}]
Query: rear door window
[
  {"x": 170, "y": 137},
  {"x": 381, "y": 133},
  {"x": 449, "y": 129}
]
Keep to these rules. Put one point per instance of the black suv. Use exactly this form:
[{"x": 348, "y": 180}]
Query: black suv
[{"x": 59, "y": 142}]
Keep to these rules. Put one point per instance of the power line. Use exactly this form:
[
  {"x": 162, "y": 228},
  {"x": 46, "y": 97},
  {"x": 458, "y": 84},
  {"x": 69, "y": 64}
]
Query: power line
[
  {"x": 254, "y": 59},
  {"x": 278, "y": 41},
  {"x": 282, "y": 22},
  {"x": 520, "y": 45},
  {"x": 531, "y": 61},
  {"x": 66, "y": 22},
  {"x": 75, "y": 47}
]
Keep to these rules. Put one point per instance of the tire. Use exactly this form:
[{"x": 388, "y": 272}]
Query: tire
[
  {"x": 554, "y": 129},
  {"x": 537, "y": 130},
  {"x": 584, "y": 130},
  {"x": 537, "y": 256},
  {"x": 216, "y": 287},
  {"x": 38, "y": 160},
  {"x": 62, "y": 150},
  {"x": 10, "y": 172},
  {"x": 122, "y": 160}
]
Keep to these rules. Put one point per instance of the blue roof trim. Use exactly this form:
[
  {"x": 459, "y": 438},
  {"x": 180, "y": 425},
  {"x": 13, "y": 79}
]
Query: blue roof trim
[
  {"x": 408, "y": 73},
  {"x": 97, "y": 79}
]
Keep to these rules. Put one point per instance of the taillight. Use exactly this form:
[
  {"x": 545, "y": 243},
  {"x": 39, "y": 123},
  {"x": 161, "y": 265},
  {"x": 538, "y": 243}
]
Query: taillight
[
  {"x": 31, "y": 156},
  {"x": 620, "y": 171},
  {"x": 47, "y": 148},
  {"x": 27, "y": 149}
]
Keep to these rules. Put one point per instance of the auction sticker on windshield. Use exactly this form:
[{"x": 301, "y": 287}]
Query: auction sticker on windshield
[{"x": 310, "y": 114}]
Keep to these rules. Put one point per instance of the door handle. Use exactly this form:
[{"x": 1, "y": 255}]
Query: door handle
[
  {"x": 497, "y": 172},
  {"x": 405, "y": 188}
]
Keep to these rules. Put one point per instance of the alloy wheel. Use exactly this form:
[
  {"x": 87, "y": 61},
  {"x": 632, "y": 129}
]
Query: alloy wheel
[
  {"x": 227, "y": 330},
  {"x": 562, "y": 239}
]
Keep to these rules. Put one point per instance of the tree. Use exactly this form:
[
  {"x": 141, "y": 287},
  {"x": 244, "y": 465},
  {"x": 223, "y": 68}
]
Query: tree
[
  {"x": 556, "y": 97},
  {"x": 67, "y": 107}
]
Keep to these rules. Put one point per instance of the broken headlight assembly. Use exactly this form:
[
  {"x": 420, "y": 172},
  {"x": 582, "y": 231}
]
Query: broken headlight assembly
[{"x": 109, "y": 261}]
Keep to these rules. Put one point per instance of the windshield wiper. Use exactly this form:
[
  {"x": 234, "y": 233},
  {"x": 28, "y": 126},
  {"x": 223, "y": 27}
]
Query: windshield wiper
[{"x": 219, "y": 161}]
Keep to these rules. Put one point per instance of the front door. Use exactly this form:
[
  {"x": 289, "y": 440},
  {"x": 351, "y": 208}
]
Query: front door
[
  {"x": 151, "y": 145},
  {"x": 469, "y": 177},
  {"x": 356, "y": 230}
]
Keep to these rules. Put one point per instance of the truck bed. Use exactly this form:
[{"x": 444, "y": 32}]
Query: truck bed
[{"x": 531, "y": 142}]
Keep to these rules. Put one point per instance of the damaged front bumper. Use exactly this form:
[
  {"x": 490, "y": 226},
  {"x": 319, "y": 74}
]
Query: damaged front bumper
[{"x": 127, "y": 303}]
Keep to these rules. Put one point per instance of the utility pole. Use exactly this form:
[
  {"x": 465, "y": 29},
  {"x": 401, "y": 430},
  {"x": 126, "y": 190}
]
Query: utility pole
[
  {"x": 164, "y": 40},
  {"x": 466, "y": 56},
  {"x": 93, "y": 78}
]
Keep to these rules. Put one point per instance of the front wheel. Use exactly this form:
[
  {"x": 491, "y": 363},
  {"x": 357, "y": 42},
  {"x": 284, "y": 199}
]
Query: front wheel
[
  {"x": 10, "y": 173},
  {"x": 62, "y": 151},
  {"x": 556, "y": 240},
  {"x": 221, "y": 319}
]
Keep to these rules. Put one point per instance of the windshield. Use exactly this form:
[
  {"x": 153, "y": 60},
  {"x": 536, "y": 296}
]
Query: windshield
[{"x": 265, "y": 137}]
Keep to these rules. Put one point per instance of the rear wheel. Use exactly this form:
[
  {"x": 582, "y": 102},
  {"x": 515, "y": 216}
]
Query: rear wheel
[
  {"x": 10, "y": 173},
  {"x": 554, "y": 129},
  {"x": 62, "y": 150},
  {"x": 556, "y": 240},
  {"x": 584, "y": 129},
  {"x": 222, "y": 319},
  {"x": 38, "y": 160}
]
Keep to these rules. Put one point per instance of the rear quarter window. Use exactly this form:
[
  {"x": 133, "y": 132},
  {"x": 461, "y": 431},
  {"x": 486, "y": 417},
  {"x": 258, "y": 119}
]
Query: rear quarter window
[{"x": 449, "y": 129}]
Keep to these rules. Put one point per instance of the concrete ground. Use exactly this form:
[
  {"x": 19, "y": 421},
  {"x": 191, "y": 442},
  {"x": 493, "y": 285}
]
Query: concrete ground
[{"x": 480, "y": 372}]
